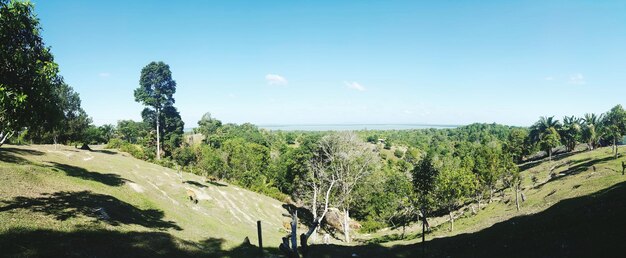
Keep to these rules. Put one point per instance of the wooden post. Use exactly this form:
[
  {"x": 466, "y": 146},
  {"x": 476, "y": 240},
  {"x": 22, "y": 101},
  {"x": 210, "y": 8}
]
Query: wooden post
[
  {"x": 258, "y": 226},
  {"x": 294, "y": 234}
]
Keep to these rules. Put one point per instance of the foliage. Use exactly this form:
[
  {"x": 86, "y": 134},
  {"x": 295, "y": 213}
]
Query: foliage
[
  {"x": 156, "y": 90},
  {"x": 29, "y": 77}
]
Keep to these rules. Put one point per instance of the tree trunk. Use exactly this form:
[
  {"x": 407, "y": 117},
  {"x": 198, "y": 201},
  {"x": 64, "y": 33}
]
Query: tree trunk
[
  {"x": 346, "y": 225},
  {"x": 550, "y": 154},
  {"x": 451, "y": 221},
  {"x": 4, "y": 137},
  {"x": 516, "y": 199},
  {"x": 158, "y": 135},
  {"x": 315, "y": 212},
  {"x": 615, "y": 146},
  {"x": 294, "y": 234}
]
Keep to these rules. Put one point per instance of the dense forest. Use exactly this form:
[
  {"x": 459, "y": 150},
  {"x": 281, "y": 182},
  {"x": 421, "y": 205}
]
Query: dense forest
[{"x": 381, "y": 178}]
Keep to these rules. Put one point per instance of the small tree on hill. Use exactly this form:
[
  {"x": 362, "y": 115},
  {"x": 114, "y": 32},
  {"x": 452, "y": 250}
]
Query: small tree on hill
[
  {"x": 453, "y": 185},
  {"x": 614, "y": 125}
]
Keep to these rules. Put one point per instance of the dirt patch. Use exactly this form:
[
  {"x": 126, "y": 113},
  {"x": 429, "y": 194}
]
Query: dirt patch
[{"x": 136, "y": 187}]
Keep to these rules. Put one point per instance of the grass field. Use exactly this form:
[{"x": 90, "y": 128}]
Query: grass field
[{"x": 52, "y": 198}]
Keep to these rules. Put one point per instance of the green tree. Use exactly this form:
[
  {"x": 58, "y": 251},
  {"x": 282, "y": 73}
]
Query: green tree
[
  {"x": 488, "y": 167},
  {"x": 591, "y": 129},
  {"x": 614, "y": 125},
  {"x": 28, "y": 73},
  {"x": 571, "y": 132},
  {"x": 131, "y": 131},
  {"x": 208, "y": 127},
  {"x": 156, "y": 90},
  {"x": 516, "y": 144},
  {"x": 453, "y": 185},
  {"x": 545, "y": 133},
  {"x": 424, "y": 177},
  {"x": 549, "y": 139},
  {"x": 170, "y": 123}
]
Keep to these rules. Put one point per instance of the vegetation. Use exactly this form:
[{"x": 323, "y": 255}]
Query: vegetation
[{"x": 390, "y": 178}]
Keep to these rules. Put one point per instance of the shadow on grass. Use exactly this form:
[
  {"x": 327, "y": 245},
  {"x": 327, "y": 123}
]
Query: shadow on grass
[
  {"x": 107, "y": 179},
  {"x": 105, "y": 243},
  {"x": 215, "y": 183},
  {"x": 66, "y": 205},
  {"x": 105, "y": 152},
  {"x": 194, "y": 183},
  {"x": 555, "y": 157},
  {"x": 12, "y": 155},
  {"x": 586, "y": 226}
]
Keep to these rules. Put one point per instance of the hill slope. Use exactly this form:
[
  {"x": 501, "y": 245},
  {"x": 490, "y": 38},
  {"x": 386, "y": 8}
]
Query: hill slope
[
  {"x": 577, "y": 213},
  {"x": 65, "y": 201},
  {"x": 52, "y": 202}
]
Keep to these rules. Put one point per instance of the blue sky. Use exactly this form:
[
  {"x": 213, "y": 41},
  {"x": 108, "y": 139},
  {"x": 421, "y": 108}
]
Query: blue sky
[{"x": 303, "y": 62}]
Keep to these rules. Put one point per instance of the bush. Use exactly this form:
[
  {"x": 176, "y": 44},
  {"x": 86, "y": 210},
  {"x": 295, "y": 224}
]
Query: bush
[
  {"x": 398, "y": 153},
  {"x": 370, "y": 225},
  {"x": 132, "y": 149}
]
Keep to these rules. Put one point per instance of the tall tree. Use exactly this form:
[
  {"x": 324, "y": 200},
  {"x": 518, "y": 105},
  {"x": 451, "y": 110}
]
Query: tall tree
[
  {"x": 614, "y": 125},
  {"x": 170, "y": 123},
  {"x": 591, "y": 130},
  {"x": 28, "y": 73},
  {"x": 424, "y": 177},
  {"x": 156, "y": 90}
]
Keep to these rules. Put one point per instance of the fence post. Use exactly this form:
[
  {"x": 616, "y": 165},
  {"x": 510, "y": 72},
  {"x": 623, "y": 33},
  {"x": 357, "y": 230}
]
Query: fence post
[{"x": 258, "y": 226}]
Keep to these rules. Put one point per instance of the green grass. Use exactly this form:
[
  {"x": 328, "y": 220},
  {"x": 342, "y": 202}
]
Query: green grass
[{"x": 49, "y": 197}]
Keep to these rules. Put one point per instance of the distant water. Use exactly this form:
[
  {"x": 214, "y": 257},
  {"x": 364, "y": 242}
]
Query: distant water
[{"x": 351, "y": 127}]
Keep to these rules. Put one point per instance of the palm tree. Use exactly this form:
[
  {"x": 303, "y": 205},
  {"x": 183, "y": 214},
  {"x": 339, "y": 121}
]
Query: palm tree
[
  {"x": 570, "y": 131},
  {"x": 545, "y": 132},
  {"x": 591, "y": 129}
]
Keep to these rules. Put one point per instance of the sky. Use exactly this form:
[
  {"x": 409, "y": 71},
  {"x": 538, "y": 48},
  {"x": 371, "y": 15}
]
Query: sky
[{"x": 345, "y": 62}]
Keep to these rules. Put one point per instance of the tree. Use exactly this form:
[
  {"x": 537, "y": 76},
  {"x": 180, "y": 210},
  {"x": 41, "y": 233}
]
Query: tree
[
  {"x": 590, "y": 131},
  {"x": 516, "y": 144},
  {"x": 513, "y": 179},
  {"x": 75, "y": 123},
  {"x": 348, "y": 160},
  {"x": 488, "y": 167},
  {"x": 545, "y": 133},
  {"x": 424, "y": 176},
  {"x": 156, "y": 90},
  {"x": 614, "y": 125},
  {"x": 549, "y": 139},
  {"x": 170, "y": 123},
  {"x": 28, "y": 73},
  {"x": 208, "y": 126},
  {"x": 570, "y": 132},
  {"x": 453, "y": 185},
  {"x": 131, "y": 131}
]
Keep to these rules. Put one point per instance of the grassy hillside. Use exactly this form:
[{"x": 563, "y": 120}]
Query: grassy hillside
[
  {"x": 577, "y": 213},
  {"x": 51, "y": 201},
  {"x": 52, "y": 198}
]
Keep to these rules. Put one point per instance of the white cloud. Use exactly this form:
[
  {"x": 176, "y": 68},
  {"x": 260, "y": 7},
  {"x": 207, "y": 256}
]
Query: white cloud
[
  {"x": 354, "y": 86},
  {"x": 104, "y": 74},
  {"x": 275, "y": 79},
  {"x": 577, "y": 79},
  {"x": 549, "y": 78}
]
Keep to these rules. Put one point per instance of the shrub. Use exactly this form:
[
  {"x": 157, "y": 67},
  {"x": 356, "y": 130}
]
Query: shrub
[
  {"x": 370, "y": 225},
  {"x": 398, "y": 153}
]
